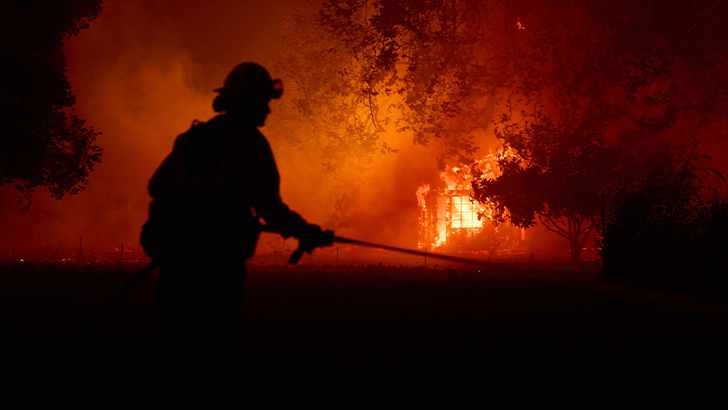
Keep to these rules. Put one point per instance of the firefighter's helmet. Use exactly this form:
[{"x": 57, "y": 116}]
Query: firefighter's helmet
[{"x": 246, "y": 79}]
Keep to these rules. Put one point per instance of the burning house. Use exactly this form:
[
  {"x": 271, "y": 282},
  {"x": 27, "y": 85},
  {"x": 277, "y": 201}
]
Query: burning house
[{"x": 452, "y": 221}]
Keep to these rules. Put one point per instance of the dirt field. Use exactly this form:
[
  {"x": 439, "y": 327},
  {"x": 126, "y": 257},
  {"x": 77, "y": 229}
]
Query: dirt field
[{"x": 379, "y": 336}]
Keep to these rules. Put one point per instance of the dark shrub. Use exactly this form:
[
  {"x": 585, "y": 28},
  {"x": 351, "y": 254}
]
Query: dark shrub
[{"x": 670, "y": 229}]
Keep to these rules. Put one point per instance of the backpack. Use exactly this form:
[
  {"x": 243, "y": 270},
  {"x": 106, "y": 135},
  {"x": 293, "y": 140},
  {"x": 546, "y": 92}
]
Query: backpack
[{"x": 163, "y": 226}]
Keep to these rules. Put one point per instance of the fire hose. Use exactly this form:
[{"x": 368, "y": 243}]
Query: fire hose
[
  {"x": 142, "y": 273},
  {"x": 299, "y": 252}
]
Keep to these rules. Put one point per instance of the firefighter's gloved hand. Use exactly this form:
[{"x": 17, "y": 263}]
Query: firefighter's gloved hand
[
  {"x": 326, "y": 239},
  {"x": 313, "y": 237}
]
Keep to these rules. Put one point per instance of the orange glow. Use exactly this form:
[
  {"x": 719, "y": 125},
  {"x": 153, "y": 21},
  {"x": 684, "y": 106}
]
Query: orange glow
[
  {"x": 451, "y": 220},
  {"x": 421, "y": 193},
  {"x": 143, "y": 71},
  {"x": 451, "y": 209}
]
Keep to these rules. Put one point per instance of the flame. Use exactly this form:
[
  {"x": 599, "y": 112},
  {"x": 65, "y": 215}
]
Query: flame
[
  {"x": 421, "y": 193},
  {"x": 452, "y": 209},
  {"x": 450, "y": 218},
  {"x": 456, "y": 178}
]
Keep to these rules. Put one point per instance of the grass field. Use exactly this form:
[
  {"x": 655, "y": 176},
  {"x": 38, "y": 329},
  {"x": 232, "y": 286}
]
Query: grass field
[{"x": 377, "y": 336}]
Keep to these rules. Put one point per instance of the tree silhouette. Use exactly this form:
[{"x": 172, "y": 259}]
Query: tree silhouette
[
  {"x": 556, "y": 173},
  {"x": 431, "y": 68},
  {"x": 361, "y": 69},
  {"x": 344, "y": 121},
  {"x": 580, "y": 92},
  {"x": 596, "y": 93},
  {"x": 44, "y": 143},
  {"x": 571, "y": 89}
]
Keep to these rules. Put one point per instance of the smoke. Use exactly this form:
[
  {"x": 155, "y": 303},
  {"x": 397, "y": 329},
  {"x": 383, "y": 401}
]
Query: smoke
[{"x": 143, "y": 71}]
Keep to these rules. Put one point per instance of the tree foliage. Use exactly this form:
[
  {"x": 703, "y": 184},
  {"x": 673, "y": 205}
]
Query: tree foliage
[
  {"x": 580, "y": 92},
  {"x": 571, "y": 89},
  {"x": 552, "y": 173},
  {"x": 346, "y": 129},
  {"x": 325, "y": 117},
  {"x": 594, "y": 85},
  {"x": 44, "y": 143},
  {"x": 362, "y": 69},
  {"x": 439, "y": 61}
]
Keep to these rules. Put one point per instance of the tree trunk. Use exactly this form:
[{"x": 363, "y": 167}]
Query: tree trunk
[{"x": 575, "y": 246}]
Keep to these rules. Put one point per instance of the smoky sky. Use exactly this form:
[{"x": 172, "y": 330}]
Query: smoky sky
[
  {"x": 144, "y": 70},
  {"x": 141, "y": 73}
]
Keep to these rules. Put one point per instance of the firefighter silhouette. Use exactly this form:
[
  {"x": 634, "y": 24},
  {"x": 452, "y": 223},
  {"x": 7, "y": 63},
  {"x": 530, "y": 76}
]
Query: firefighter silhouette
[{"x": 209, "y": 196}]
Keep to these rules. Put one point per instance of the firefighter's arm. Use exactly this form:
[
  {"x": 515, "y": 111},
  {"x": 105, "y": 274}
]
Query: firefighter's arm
[{"x": 263, "y": 182}]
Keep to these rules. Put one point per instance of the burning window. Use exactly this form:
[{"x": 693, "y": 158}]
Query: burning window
[
  {"x": 464, "y": 213},
  {"x": 449, "y": 218}
]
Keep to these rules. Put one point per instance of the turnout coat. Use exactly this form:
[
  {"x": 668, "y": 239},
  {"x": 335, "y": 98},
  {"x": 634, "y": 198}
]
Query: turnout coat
[{"x": 211, "y": 194}]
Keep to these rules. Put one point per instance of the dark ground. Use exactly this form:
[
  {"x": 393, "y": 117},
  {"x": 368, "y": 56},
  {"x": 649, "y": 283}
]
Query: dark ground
[{"x": 378, "y": 336}]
